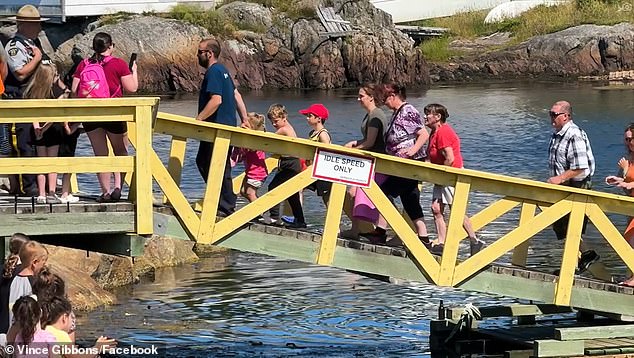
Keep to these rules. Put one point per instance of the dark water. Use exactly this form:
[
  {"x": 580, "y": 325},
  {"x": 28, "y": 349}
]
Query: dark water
[{"x": 248, "y": 305}]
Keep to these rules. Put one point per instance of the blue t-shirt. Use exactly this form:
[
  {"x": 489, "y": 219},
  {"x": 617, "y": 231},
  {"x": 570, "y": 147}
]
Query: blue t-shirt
[{"x": 218, "y": 81}]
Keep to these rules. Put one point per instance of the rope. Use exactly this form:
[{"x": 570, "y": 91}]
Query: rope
[{"x": 469, "y": 313}]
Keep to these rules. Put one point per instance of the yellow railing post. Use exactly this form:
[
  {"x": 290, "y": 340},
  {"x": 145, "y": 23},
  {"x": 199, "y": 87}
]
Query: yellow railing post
[
  {"x": 454, "y": 229},
  {"x": 563, "y": 289},
  {"x": 176, "y": 160},
  {"x": 214, "y": 185},
  {"x": 326, "y": 253},
  {"x": 142, "y": 170},
  {"x": 520, "y": 253}
]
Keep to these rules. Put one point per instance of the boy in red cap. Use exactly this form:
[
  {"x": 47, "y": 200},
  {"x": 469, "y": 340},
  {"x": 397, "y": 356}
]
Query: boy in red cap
[{"x": 316, "y": 116}]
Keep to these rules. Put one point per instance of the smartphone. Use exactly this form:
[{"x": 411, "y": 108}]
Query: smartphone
[{"x": 132, "y": 60}]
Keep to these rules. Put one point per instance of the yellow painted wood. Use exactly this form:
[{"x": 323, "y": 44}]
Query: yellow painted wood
[
  {"x": 520, "y": 253},
  {"x": 176, "y": 197},
  {"x": 454, "y": 229},
  {"x": 427, "y": 263},
  {"x": 271, "y": 163},
  {"x": 214, "y": 185},
  {"x": 491, "y": 213},
  {"x": 142, "y": 171},
  {"x": 563, "y": 289},
  {"x": 262, "y": 204},
  {"x": 72, "y": 165},
  {"x": 29, "y": 115},
  {"x": 611, "y": 234},
  {"x": 326, "y": 253},
  {"x": 507, "y": 242},
  {"x": 129, "y": 176},
  {"x": 87, "y": 104},
  {"x": 177, "y": 160},
  {"x": 74, "y": 186}
]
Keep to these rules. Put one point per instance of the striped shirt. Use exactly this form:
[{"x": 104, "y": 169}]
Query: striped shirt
[{"x": 570, "y": 149}]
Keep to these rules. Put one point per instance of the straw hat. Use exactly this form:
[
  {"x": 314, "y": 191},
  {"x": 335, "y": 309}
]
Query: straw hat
[{"x": 28, "y": 13}]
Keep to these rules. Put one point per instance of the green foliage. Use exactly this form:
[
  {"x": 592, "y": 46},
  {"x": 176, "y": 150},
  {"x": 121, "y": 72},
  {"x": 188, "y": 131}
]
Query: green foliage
[
  {"x": 214, "y": 21},
  {"x": 437, "y": 49},
  {"x": 537, "y": 21},
  {"x": 115, "y": 18},
  {"x": 290, "y": 8}
]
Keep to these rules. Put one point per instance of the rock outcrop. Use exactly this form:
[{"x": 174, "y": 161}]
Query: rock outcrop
[
  {"x": 89, "y": 275},
  {"x": 270, "y": 51},
  {"x": 585, "y": 50}
]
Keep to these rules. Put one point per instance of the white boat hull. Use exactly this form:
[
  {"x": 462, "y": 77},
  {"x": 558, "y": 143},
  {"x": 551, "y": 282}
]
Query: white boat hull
[{"x": 412, "y": 10}]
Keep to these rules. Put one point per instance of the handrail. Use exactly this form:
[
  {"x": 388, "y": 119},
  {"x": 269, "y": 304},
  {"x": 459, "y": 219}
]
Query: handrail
[
  {"x": 554, "y": 202},
  {"x": 137, "y": 111}
]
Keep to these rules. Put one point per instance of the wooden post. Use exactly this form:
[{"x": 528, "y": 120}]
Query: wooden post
[
  {"x": 454, "y": 228},
  {"x": 176, "y": 160},
  {"x": 143, "y": 171},
  {"x": 214, "y": 185},
  {"x": 326, "y": 253},
  {"x": 563, "y": 289},
  {"x": 520, "y": 253}
]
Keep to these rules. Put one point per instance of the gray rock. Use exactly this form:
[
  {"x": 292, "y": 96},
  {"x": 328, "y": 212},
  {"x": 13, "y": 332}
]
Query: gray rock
[{"x": 248, "y": 15}]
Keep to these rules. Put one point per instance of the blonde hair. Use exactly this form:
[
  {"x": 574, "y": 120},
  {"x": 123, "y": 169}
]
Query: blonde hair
[
  {"x": 32, "y": 251},
  {"x": 277, "y": 111},
  {"x": 256, "y": 121},
  {"x": 40, "y": 85}
]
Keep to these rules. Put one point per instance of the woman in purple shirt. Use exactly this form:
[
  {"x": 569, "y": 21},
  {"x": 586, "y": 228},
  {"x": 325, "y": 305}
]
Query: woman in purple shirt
[{"x": 405, "y": 138}]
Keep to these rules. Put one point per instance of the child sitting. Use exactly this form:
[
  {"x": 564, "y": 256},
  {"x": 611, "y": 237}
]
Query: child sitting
[
  {"x": 58, "y": 322},
  {"x": 33, "y": 256},
  {"x": 30, "y": 335},
  {"x": 287, "y": 168},
  {"x": 12, "y": 265},
  {"x": 46, "y": 286},
  {"x": 254, "y": 160}
]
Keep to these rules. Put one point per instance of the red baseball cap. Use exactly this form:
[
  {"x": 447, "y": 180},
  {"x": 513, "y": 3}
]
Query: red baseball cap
[{"x": 316, "y": 109}]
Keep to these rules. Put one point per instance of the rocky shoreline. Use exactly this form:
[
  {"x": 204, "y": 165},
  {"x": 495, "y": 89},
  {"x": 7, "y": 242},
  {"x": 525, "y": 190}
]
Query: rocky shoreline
[
  {"x": 90, "y": 276},
  {"x": 275, "y": 51}
]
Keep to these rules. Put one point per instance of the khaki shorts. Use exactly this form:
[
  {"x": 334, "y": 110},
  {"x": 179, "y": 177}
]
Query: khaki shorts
[{"x": 443, "y": 194}]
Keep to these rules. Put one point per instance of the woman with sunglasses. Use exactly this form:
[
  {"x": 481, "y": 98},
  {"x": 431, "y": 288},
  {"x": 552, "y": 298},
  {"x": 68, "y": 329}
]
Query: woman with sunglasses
[
  {"x": 405, "y": 137},
  {"x": 119, "y": 78},
  {"x": 625, "y": 180}
]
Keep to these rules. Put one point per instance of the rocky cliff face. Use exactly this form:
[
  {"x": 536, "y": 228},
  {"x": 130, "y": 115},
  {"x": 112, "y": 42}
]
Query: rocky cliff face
[
  {"x": 277, "y": 52},
  {"x": 578, "y": 51}
]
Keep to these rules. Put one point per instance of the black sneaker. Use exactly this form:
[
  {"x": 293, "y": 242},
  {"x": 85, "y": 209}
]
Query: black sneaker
[
  {"x": 295, "y": 225},
  {"x": 587, "y": 259}
]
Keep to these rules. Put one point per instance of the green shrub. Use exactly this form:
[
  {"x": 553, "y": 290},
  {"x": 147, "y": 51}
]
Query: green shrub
[
  {"x": 290, "y": 8},
  {"x": 115, "y": 18},
  {"x": 437, "y": 49},
  {"x": 214, "y": 21}
]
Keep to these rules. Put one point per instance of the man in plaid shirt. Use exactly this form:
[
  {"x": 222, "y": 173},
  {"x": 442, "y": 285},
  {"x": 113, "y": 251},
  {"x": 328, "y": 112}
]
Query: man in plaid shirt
[{"x": 571, "y": 163}]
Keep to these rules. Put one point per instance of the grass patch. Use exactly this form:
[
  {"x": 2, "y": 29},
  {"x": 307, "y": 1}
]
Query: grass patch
[
  {"x": 291, "y": 8},
  {"x": 538, "y": 21},
  {"x": 437, "y": 49},
  {"x": 115, "y": 18},
  {"x": 214, "y": 21}
]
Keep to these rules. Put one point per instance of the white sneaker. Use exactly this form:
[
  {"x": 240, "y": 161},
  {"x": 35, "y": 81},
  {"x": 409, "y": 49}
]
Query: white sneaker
[
  {"x": 53, "y": 199},
  {"x": 40, "y": 200},
  {"x": 70, "y": 198}
]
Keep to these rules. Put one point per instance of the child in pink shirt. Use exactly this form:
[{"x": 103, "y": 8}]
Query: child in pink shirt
[{"x": 254, "y": 160}]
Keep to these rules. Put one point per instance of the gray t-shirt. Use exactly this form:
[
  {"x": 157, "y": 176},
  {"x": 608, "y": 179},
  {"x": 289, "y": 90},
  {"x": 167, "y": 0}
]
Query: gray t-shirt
[{"x": 375, "y": 119}]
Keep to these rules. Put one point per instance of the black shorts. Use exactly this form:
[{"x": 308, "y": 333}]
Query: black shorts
[
  {"x": 69, "y": 144},
  {"x": 111, "y": 127},
  {"x": 52, "y": 136},
  {"x": 321, "y": 187}
]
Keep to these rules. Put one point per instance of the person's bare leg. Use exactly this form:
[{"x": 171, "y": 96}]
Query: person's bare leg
[
  {"x": 437, "y": 209},
  {"x": 41, "y": 178},
  {"x": 51, "y": 152},
  {"x": 97, "y": 139},
  {"x": 119, "y": 143}
]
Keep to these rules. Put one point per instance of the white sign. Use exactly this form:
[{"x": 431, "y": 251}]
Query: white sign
[{"x": 343, "y": 168}]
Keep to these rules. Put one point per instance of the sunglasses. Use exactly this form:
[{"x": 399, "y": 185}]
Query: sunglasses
[
  {"x": 555, "y": 114},
  {"x": 629, "y": 139},
  {"x": 200, "y": 52}
]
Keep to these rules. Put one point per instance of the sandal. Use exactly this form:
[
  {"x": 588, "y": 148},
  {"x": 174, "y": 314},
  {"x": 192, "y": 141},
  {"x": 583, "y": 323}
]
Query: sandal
[
  {"x": 104, "y": 198},
  {"x": 115, "y": 195}
]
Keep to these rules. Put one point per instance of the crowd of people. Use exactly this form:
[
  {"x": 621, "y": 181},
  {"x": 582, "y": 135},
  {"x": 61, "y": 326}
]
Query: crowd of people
[
  {"x": 36, "y": 316},
  {"x": 28, "y": 73}
]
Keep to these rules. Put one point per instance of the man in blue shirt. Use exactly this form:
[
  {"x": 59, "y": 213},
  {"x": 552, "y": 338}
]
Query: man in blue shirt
[{"x": 217, "y": 103}]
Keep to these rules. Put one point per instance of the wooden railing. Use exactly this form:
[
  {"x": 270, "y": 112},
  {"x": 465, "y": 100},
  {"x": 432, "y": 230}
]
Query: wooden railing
[
  {"x": 553, "y": 201},
  {"x": 138, "y": 112}
]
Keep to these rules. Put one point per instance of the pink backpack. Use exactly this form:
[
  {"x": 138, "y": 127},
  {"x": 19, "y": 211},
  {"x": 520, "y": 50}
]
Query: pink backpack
[{"x": 92, "y": 80}]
